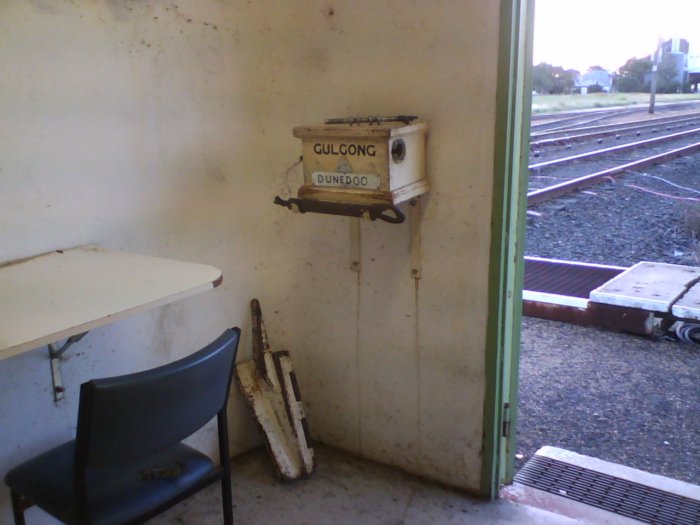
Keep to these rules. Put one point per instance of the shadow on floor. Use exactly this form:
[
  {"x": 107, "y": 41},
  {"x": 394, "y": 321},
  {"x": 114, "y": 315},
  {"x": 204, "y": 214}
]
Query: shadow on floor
[{"x": 346, "y": 490}]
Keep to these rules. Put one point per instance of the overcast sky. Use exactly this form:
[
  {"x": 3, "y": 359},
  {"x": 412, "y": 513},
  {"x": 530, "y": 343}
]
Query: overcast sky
[{"x": 578, "y": 34}]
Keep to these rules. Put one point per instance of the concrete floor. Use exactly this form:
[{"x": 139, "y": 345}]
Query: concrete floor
[{"x": 346, "y": 490}]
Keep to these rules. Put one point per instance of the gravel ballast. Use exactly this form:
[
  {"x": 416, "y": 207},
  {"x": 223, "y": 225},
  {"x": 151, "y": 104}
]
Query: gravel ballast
[{"x": 618, "y": 397}]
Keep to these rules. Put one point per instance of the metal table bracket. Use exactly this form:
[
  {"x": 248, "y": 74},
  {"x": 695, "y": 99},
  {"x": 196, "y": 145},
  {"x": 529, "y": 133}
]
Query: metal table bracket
[
  {"x": 414, "y": 221},
  {"x": 55, "y": 357},
  {"x": 355, "y": 245}
]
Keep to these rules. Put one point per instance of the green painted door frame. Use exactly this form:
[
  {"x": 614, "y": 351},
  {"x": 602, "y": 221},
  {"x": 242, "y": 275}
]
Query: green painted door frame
[{"x": 507, "y": 246}]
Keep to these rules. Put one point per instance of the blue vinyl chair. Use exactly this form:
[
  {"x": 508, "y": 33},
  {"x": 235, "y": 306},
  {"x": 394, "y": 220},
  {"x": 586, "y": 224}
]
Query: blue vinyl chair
[{"x": 127, "y": 463}]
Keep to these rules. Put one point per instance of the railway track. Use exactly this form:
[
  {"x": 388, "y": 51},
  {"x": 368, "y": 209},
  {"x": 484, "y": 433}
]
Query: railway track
[
  {"x": 547, "y": 139},
  {"x": 565, "y": 174},
  {"x": 572, "y": 119},
  {"x": 616, "y": 149},
  {"x": 575, "y": 184},
  {"x": 582, "y": 119},
  {"x": 596, "y": 235},
  {"x": 553, "y": 179}
]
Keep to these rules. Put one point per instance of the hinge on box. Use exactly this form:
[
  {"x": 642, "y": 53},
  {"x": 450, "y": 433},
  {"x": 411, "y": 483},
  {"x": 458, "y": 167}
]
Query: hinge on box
[{"x": 506, "y": 420}]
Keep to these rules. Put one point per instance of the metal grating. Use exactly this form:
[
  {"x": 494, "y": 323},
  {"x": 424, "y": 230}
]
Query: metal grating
[
  {"x": 626, "y": 498},
  {"x": 565, "y": 278}
]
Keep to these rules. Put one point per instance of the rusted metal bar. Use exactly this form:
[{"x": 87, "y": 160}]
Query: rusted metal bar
[
  {"x": 405, "y": 119},
  {"x": 614, "y": 149},
  {"x": 557, "y": 190},
  {"x": 260, "y": 341},
  {"x": 613, "y": 318},
  {"x": 385, "y": 211}
]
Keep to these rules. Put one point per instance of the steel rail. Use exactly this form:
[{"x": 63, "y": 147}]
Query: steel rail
[
  {"x": 568, "y": 124},
  {"x": 612, "y": 129},
  {"x": 635, "y": 107},
  {"x": 560, "y": 118},
  {"x": 579, "y": 120},
  {"x": 598, "y": 118},
  {"x": 614, "y": 149},
  {"x": 563, "y": 115},
  {"x": 557, "y": 190},
  {"x": 583, "y": 112},
  {"x": 660, "y": 120}
]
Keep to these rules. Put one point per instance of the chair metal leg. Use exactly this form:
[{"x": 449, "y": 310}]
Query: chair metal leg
[
  {"x": 226, "y": 499},
  {"x": 18, "y": 507}
]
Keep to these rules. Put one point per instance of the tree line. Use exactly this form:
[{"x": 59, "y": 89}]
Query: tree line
[{"x": 633, "y": 77}]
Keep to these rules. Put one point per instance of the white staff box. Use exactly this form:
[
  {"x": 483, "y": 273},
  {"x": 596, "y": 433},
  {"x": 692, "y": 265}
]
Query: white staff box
[{"x": 363, "y": 163}]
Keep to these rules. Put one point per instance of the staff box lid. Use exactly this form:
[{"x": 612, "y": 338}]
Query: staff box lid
[{"x": 381, "y": 130}]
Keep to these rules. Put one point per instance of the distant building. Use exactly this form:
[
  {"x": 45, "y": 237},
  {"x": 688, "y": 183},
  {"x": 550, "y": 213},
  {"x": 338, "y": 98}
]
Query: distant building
[
  {"x": 686, "y": 59},
  {"x": 677, "y": 50},
  {"x": 594, "y": 77},
  {"x": 694, "y": 67}
]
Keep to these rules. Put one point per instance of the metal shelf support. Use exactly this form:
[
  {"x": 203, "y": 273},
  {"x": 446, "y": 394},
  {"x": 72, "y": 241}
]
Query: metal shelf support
[{"x": 55, "y": 354}]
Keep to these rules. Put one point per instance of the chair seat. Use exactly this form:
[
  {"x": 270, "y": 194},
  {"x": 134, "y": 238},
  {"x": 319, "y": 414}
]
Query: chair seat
[{"x": 115, "y": 494}]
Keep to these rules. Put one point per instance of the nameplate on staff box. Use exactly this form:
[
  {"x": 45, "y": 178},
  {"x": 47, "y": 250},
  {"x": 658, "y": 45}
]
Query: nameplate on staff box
[{"x": 363, "y": 181}]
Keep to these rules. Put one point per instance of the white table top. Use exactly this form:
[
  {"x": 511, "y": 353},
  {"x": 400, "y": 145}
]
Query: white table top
[{"x": 50, "y": 297}]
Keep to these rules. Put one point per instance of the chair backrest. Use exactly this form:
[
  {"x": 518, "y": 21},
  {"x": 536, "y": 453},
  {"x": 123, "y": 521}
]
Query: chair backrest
[{"x": 132, "y": 416}]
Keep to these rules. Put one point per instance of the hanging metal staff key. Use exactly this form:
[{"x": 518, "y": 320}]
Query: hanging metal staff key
[{"x": 405, "y": 119}]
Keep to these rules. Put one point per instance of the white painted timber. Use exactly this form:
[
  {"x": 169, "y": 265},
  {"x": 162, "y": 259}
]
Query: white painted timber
[
  {"x": 688, "y": 306},
  {"x": 553, "y": 298},
  {"x": 650, "y": 286},
  {"x": 50, "y": 297},
  {"x": 575, "y": 263},
  {"x": 279, "y": 414}
]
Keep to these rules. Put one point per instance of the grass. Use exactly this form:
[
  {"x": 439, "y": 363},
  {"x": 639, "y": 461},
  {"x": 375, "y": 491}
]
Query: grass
[{"x": 556, "y": 103}]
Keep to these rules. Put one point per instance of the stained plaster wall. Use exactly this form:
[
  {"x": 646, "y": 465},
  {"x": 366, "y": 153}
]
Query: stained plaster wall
[{"x": 164, "y": 128}]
